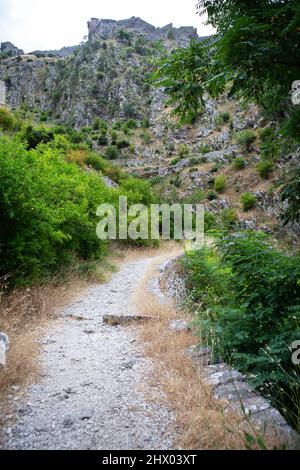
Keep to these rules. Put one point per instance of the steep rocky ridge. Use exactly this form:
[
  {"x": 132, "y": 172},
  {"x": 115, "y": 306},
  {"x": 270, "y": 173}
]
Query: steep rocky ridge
[
  {"x": 108, "y": 29},
  {"x": 107, "y": 78}
]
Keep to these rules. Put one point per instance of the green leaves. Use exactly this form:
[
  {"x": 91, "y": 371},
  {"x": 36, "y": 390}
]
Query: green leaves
[
  {"x": 183, "y": 75},
  {"x": 291, "y": 194},
  {"x": 258, "y": 46},
  {"x": 249, "y": 294}
]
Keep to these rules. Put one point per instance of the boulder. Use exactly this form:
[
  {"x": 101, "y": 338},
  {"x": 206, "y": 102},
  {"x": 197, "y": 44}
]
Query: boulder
[{"x": 4, "y": 346}]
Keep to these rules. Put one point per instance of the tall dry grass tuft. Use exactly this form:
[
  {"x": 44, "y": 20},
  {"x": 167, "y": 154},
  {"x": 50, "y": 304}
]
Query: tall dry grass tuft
[{"x": 200, "y": 418}]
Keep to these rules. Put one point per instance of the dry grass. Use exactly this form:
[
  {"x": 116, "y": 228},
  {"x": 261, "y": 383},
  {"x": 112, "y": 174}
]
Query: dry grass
[
  {"x": 22, "y": 312},
  {"x": 200, "y": 418}
]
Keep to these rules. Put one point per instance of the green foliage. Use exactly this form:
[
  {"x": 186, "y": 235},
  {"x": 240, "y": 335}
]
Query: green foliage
[
  {"x": 210, "y": 221},
  {"x": 257, "y": 49},
  {"x": 197, "y": 197},
  {"x": 146, "y": 123},
  {"x": 131, "y": 124},
  {"x": 111, "y": 152},
  {"x": 183, "y": 74},
  {"x": 291, "y": 127},
  {"x": 124, "y": 36},
  {"x": 175, "y": 161},
  {"x": 239, "y": 163},
  {"x": 229, "y": 219},
  {"x": 140, "y": 191},
  {"x": 291, "y": 194},
  {"x": 140, "y": 46},
  {"x": 265, "y": 168},
  {"x": 248, "y": 201},
  {"x": 96, "y": 162},
  {"x": 146, "y": 137},
  {"x": 177, "y": 182},
  {"x": 130, "y": 110},
  {"x": 205, "y": 149},
  {"x": 271, "y": 142},
  {"x": 222, "y": 118},
  {"x": 117, "y": 125},
  {"x": 114, "y": 137},
  {"x": 48, "y": 210},
  {"x": 103, "y": 139},
  {"x": 7, "y": 120},
  {"x": 123, "y": 144},
  {"x": 245, "y": 138},
  {"x": 99, "y": 124},
  {"x": 220, "y": 184},
  {"x": 250, "y": 298},
  {"x": 212, "y": 195},
  {"x": 35, "y": 135},
  {"x": 183, "y": 151}
]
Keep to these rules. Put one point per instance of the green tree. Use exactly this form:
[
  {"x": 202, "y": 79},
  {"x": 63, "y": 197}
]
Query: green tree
[
  {"x": 257, "y": 46},
  {"x": 183, "y": 75}
]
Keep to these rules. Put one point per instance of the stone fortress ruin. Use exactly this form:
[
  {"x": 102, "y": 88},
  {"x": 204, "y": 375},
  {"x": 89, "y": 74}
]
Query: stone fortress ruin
[{"x": 108, "y": 29}]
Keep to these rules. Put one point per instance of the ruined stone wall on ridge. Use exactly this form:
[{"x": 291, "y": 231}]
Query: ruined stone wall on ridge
[{"x": 107, "y": 29}]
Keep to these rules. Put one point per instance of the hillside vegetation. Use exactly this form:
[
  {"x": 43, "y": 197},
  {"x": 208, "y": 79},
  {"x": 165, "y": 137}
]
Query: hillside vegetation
[{"x": 211, "y": 122}]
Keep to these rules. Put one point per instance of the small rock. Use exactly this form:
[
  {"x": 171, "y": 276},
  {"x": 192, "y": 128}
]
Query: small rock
[
  {"x": 251, "y": 405},
  {"x": 201, "y": 355},
  {"x": 222, "y": 374},
  {"x": 179, "y": 326},
  {"x": 234, "y": 391}
]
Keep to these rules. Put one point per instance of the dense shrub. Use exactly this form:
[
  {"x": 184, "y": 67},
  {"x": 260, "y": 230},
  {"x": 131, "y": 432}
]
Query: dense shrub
[
  {"x": 146, "y": 137},
  {"x": 239, "y": 163},
  {"x": 7, "y": 120},
  {"x": 95, "y": 161},
  {"x": 210, "y": 221},
  {"x": 229, "y": 219},
  {"x": 250, "y": 312},
  {"x": 48, "y": 204},
  {"x": 123, "y": 144},
  {"x": 48, "y": 210},
  {"x": 212, "y": 195},
  {"x": 111, "y": 152},
  {"x": 114, "y": 137},
  {"x": 197, "y": 197},
  {"x": 131, "y": 124},
  {"x": 248, "y": 201},
  {"x": 146, "y": 123},
  {"x": 99, "y": 124},
  {"x": 290, "y": 194},
  {"x": 35, "y": 135},
  {"x": 183, "y": 151},
  {"x": 245, "y": 138},
  {"x": 265, "y": 168},
  {"x": 220, "y": 184},
  {"x": 103, "y": 139},
  {"x": 222, "y": 118}
]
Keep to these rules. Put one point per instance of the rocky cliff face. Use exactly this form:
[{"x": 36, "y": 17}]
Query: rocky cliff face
[
  {"x": 108, "y": 29},
  {"x": 107, "y": 78},
  {"x": 10, "y": 50}
]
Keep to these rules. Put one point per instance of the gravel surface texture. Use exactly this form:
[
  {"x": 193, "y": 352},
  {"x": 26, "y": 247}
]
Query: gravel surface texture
[{"x": 93, "y": 390}]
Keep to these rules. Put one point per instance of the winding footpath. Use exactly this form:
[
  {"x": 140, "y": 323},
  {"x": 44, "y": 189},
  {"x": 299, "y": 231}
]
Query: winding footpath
[{"x": 93, "y": 390}]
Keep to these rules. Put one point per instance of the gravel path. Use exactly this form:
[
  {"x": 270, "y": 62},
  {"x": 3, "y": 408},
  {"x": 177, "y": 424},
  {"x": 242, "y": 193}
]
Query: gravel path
[{"x": 91, "y": 394}]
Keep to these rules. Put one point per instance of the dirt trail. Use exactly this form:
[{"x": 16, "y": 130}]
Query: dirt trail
[{"x": 91, "y": 394}]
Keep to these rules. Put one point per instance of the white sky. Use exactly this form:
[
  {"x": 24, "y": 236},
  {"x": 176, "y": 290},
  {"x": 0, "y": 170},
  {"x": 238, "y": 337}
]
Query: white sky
[{"x": 44, "y": 24}]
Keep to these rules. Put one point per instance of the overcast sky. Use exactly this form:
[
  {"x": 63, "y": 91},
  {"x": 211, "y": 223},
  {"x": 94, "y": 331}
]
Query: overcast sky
[{"x": 52, "y": 24}]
